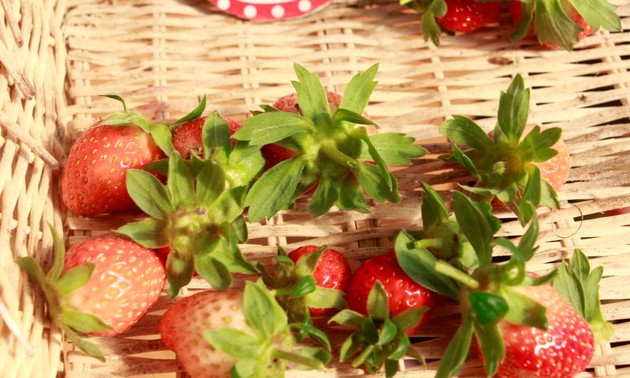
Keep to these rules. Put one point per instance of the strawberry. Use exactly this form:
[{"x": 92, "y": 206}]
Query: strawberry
[
  {"x": 564, "y": 349},
  {"x": 403, "y": 293},
  {"x": 187, "y": 136},
  {"x": 469, "y": 15},
  {"x": 334, "y": 155},
  {"x": 93, "y": 179},
  {"x": 226, "y": 332},
  {"x": 509, "y": 165},
  {"x": 561, "y": 23},
  {"x": 102, "y": 286}
]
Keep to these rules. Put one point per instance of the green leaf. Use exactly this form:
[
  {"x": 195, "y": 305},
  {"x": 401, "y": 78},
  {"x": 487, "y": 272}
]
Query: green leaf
[
  {"x": 179, "y": 271},
  {"x": 235, "y": 343},
  {"x": 351, "y": 195},
  {"x": 514, "y": 110},
  {"x": 377, "y": 183},
  {"x": 391, "y": 368},
  {"x": 491, "y": 345},
  {"x": 350, "y": 347},
  {"x": 537, "y": 145},
  {"x": 348, "y": 318},
  {"x": 399, "y": 347},
  {"x": 304, "y": 286},
  {"x": 599, "y": 14},
  {"x": 531, "y": 197},
  {"x": 387, "y": 333},
  {"x": 378, "y": 302},
  {"x": 213, "y": 271},
  {"x": 313, "y": 332},
  {"x": 524, "y": 310},
  {"x": 247, "y": 369},
  {"x": 148, "y": 193},
  {"x": 475, "y": 226},
  {"x": 310, "y": 92},
  {"x": 228, "y": 206},
  {"x": 326, "y": 298},
  {"x": 368, "y": 332},
  {"x": 210, "y": 183},
  {"x": 359, "y": 90},
  {"x": 239, "y": 229},
  {"x": 245, "y": 163},
  {"x": 180, "y": 182},
  {"x": 409, "y": 318},
  {"x": 215, "y": 136},
  {"x": 33, "y": 270},
  {"x": 419, "y": 263},
  {"x": 84, "y": 322},
  {"x": 465, "y": 162},
  {"x": 194, "y": 114},
  {"x": 267, "y": 128},
  {"x": 345, "y": 115},
  {"x": 488, "y": 308},
  {"x": 324, "y": 197},
  {"x": 273, "y": 191},
  {"x": 148, "y": 232},
  {"x": 524, "y": 26},
  {"x": 430, "y": 28},
  {"x": 262, "y": 311},
  {"x": 433, "y": 208},
  {"x": 464, "y": 131},
  {"x": 457, "y": 351},
  {"x": 554, "y": 26},
  {"x": 75, "y": 278},
  {"x": 84, "y": 345},
  {"x": 395, "y": 148},
  {"x": 162, "y": 136},
  {"x": 527, "y": 244}
]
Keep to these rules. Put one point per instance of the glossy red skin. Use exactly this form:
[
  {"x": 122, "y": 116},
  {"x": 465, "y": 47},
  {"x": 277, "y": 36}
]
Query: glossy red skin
[
  {"x": 93, "y": 180},
  {"x": 127, "y": 280},
  {"x": 564, "y": 350},
  {"x": 187, "y": 138},
  {"x": 515, "y": 8},
  {"x": 332, "y": 271},
  {"x": 469, "y": 15},
  {"x": 402, "y": 291}
]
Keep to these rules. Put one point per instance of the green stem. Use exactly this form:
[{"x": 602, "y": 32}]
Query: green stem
[
  {"x": 427, "y": 243},
  {"x": 333, "y": 153},
  {"x": 363, "y": 356},
  {"x": 456, "y": 274},
  {"x": 297, "y": 358}
]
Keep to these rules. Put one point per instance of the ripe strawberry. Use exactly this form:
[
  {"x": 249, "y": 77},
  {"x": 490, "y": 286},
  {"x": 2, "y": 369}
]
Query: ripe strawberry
[
  {"x": 93, "y": 180},
  {"x": 222, "y": 332},
  {"x": 403, "y": 293},
  {"x": 332, "y": 271},
  {"x": 469, "y": 15},
  {"x": 187, "y": 136},
  {"x": 560, "y": 24},
  {"x": 564, "y": 349},
  {"x": 102, "y": 286}
]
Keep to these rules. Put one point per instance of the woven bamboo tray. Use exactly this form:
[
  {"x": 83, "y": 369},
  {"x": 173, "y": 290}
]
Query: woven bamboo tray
[{"x": 57, "y": 57}]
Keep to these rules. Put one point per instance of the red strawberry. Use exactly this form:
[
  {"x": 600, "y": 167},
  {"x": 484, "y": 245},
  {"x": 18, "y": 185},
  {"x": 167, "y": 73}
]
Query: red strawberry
[
  {"x": 403, "y": 292},
  {"x": 214, "y": 332},
  {"x": 187, "y": 136},
  {"x": 103, "y": 286},
  {"x": 93, "y": 180},
  {"x": 183, "y": 324},
  {"x": 469, "y": 15},
  {"x": 563, "y": 350},
  {"x": 289, "y": 103},
  {"x": 332, "y": 271}
]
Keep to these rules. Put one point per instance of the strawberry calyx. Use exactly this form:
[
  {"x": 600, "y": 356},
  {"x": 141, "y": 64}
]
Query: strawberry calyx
[
  {"x": 271, "y": 347},
  {"x": 378, "y": 340},
  {"x": 57, "y": 287},
  {"x": 159, "y": 132},
  {"x": 561, "y": 22},
  {"x": 197, "y": 215},
  {"x": 332, "y": 153},
  {"x": 504, "y": 165}
]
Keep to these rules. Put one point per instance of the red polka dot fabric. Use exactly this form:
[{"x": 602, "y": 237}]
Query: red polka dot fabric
[{"x": 269, "y": 9}]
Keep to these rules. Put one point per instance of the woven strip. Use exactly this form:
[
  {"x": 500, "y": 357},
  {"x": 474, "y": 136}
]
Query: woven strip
[{"x": 161, "y": 54}]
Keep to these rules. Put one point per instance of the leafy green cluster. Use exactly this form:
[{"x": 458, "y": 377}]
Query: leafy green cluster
[{"x": 503, "y": 164}]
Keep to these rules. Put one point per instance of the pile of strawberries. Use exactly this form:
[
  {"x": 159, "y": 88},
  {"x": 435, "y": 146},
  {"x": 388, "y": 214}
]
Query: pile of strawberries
[
  {"x": 554, "y": 23},
  {"x": 196, "y": 183}
]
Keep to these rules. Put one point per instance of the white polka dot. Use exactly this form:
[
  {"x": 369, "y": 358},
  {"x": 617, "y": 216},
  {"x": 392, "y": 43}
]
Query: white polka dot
[
  {"x": 277, "y": 11},
  {"x": 250, "y": 11},
  {"x": 223, "y": 4},
  {"x": 304, "y": 5}
]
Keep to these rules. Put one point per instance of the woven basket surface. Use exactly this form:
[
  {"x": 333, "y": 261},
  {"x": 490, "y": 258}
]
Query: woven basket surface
[{"x": 58, "y": 58}]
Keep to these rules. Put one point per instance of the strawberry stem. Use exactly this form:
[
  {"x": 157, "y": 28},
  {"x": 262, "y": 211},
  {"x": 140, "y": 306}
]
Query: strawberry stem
[
  {"x": 303, "y": 360},
  {"x": 456, "y": 274},
  {"x": 427, "y": 243},
  {"x": 332, "y": 152}
]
